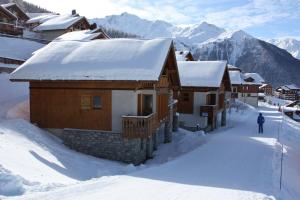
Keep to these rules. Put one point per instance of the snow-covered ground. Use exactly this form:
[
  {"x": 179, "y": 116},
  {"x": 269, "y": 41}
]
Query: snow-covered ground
[{"x": 233, "y": 163}]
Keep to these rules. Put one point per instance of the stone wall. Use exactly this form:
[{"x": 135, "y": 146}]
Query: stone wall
[{"x": 106, "y": 145}]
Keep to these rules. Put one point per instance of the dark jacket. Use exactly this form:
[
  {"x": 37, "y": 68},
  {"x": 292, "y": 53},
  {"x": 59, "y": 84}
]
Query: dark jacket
[{"x": 260, "y": 119}]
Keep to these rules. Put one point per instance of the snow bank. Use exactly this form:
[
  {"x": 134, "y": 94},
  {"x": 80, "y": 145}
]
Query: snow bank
[
  {"x": 10, "y": 185},
  {"x": 201, "y": 73}
]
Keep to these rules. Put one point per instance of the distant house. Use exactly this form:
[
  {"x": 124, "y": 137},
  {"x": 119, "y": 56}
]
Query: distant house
[
  {"x": 98, "y": 97},
  {"x": 22, "y": 17},
  {"x": 184, "y": 56},
  {"x": 288, "y": 92},
  {"x": 245, "y": 86},
  {"x": 267, "y": 89},
  {"x": 202, "y": 99},
  {"x": 52, "y": 26},
  {"x": 8, "y": 22},
  {"x": 237, "y": 81},
  {"x": 250, "y": 91},
  {"x": 84, "y": 35}
]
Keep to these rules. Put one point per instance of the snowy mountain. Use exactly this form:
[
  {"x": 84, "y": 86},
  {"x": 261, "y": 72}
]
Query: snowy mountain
[
  {"x": 152, "y": 29},
  {"x": 276, "y": 65},
  {"x": 209, "y": 42},
  {"x": 289, "y": 44}
]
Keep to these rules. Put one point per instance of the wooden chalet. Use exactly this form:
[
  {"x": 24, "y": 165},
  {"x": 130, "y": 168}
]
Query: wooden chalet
[
  {"x": 52, "y": 26},
  {"x": 250, "y": 90},
  {"x": 18, "y": 12},
  {"x": 8, "y": 23},
  {"x": 202, "y": 99},
  {"x": 267, "y": 89},
  {"x": 119, "y": 86},
  {"x": 288, "y": 92}
]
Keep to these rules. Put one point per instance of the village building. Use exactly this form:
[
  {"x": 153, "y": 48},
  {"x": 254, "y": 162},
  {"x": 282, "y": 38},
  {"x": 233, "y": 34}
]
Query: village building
[
  {"x": 288, "y": 92},
  {"x": 267, "y": 89},
  {"x": 202, "y": 99},
  {"x": 48, "y": 27},
  {"x": 98, "y": 97},
  {"x": 184, "y": 56},
  {"x": 237, "y": 81},
  {"x": 22, "y": 17},
  {"x": 8, "y": 22},
  {"x": 250, "y": 91}
]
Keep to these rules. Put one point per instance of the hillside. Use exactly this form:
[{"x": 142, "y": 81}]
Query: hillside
[{"x": 209, "y": 42}]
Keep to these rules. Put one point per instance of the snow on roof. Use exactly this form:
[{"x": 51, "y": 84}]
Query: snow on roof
[
  {"x": 258, "y": 80},
  {"x": 84, "y": 35},
  {"x": 17, "y": 48},
  {"x": 7, "y": 5},
  {"x": 40, "y": 18},
  {"x": 58, "y": 22},
  {"x": 235, "y": 77},
  {"x": 114, "y": 59},
  {"x": 292, "y": 87},
  {"x": 201, "y": 73}
]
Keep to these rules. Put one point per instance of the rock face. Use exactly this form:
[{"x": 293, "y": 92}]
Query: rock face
[{"x": 275, "y": 65}]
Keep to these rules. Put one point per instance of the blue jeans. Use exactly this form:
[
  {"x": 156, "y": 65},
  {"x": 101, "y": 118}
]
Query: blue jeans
[{"x": 260, "y": 128}]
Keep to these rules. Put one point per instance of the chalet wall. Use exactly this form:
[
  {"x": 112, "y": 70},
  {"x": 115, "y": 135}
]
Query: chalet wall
[
  {"x": 124, "y": 102},
  {"x": 62, "y": 108}
]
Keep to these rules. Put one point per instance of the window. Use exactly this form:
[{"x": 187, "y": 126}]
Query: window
[
  {"x": 211, "y": 99},
  {"x": 85, "y": 102},
  {"x": 185, "y": 96},
  {"x": 97, "y": 102}
]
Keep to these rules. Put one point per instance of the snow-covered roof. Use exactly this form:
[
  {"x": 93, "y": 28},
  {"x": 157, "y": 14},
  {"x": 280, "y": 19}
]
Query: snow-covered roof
[
  {"x": 292, "y": 87},
  {"x": 84, "y": 35},
  {"x": 7, "y": 5},
  {"x": 258, "y": 80},
  {"x": 114, "y": 59},
  {"x": 201, "y": 73},
  {"x": 235, "y": 77},
  {"x": 40, "y": 17},
  {"x": 58, "y": 22},
  {"x": 17, "y": 48}
]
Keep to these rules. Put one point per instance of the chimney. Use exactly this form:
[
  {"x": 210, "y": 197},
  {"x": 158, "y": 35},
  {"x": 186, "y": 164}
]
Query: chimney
[{"x": 74, "y": 12}]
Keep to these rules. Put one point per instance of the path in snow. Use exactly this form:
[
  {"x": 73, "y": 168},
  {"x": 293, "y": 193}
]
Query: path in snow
[{"x": 235, "y": 163}]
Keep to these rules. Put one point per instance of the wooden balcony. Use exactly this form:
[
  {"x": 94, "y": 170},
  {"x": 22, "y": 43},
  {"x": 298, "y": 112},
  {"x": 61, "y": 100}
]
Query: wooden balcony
[
  {"x": 10, "y": 29},
  {"x": 139, "y": 126}
]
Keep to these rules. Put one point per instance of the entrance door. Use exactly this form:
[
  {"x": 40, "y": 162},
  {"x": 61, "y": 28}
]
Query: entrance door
[{"x": 145, "y": 104}]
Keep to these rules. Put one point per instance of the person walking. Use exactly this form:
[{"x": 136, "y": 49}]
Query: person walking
[{"x": 260, "y": 122}]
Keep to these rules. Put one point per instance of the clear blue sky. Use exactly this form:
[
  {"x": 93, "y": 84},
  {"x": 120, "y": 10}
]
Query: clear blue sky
[{"x": 261, "y": 18}]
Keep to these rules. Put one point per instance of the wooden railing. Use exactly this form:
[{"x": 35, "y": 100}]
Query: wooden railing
[
  {"x": 10, "y": 29},
  {"x": 208, "y": 110},
  {"x": 139, "y": 126}
]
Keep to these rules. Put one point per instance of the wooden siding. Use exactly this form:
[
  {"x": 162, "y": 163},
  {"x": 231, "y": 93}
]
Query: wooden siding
[
  {"x": 162, "y": 102},
  {"x": 186, "y": 102},
  {"x": 62, "y": 108}
]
